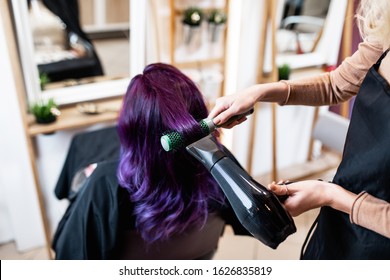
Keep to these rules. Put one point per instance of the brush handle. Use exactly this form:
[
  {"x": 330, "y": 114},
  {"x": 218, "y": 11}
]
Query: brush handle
[{"x": 236, "y": 117}]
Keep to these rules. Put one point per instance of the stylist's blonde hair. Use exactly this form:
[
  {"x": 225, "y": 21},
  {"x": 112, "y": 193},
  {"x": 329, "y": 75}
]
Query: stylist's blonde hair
[{"x": 374, "y": 21}]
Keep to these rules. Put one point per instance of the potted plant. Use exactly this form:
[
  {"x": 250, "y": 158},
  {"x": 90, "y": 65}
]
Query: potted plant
[
  {"x": 284, "y": 72},
  {"x": 192, "y": 20},
  {"x": 216, "y": 22},
  {"x": 43, "y": 80},
  {"x": 45, "y": 111}
]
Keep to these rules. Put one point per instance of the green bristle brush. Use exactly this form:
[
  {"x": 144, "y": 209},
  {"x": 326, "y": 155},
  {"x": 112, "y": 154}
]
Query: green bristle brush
[{"x": 174, "y": 140}]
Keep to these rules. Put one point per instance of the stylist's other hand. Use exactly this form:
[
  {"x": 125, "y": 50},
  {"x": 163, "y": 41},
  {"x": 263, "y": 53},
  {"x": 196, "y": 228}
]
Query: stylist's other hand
[
  {"x": 231, "y": 105},
  {"x": 304, "y": 195}
]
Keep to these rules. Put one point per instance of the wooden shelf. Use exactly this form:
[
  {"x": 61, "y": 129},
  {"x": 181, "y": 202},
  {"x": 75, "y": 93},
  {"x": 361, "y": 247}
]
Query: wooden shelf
[
  {"x": 71, "y": 118},
  {"x": 195, "y": 63},
  {"x": 206, "y": 10}
]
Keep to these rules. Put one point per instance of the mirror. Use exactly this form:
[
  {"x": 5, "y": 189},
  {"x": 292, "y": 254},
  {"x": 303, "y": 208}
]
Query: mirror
[
  {"x": 309, "y": 32},
  {"x": 73, "y": 54},
  {"x": 301, "y": 25}
]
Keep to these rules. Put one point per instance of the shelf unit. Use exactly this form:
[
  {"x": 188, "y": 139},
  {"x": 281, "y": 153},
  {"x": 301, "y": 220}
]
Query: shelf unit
[
  {"x": 203, "y": 55},
  {"x": 71, "y": 118}
]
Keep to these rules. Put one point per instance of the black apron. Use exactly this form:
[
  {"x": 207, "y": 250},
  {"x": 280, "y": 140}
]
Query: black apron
[{"x": 365, "y": 166}]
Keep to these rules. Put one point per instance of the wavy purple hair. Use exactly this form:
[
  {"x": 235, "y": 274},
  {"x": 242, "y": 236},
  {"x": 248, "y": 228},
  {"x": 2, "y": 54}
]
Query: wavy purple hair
[{"x": 171, "y": 191}]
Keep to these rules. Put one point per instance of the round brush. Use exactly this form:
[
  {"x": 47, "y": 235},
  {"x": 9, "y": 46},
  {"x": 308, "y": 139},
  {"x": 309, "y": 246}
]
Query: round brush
[{"x": 175, "y": 140}]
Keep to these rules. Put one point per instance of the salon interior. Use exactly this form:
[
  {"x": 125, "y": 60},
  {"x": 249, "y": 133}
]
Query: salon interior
[{"x": 78, "y": 57}]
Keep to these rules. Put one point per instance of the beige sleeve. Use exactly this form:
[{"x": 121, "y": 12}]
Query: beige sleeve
[
  {"x": 336, "y": 86},
  {"x": 372, "y": 213}
]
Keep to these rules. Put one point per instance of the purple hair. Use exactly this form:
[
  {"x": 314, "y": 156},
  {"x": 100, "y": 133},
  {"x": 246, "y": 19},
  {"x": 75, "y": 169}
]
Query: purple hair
[{"x": 171, "y": 191}]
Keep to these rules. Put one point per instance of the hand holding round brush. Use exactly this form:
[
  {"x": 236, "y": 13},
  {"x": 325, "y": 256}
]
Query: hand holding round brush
[{"x": 175, "y": 140}]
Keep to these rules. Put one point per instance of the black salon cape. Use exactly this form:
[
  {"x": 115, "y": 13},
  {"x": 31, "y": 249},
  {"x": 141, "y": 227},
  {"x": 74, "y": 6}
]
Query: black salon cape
[
  {"x": 97, "y": 215},
  {"x": 86, "y": 148}
]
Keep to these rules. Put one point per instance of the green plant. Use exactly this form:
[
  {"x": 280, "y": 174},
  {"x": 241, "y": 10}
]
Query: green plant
[
  {"x": 45, "y": 111},
  {"x": 44, "y": 80},
  {"x": 217, "y": 17},
  {"x": 193, "y": 16},
  {"x": 284, "y": 72}
]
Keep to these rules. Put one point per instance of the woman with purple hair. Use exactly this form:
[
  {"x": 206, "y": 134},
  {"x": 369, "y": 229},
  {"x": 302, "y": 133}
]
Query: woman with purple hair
[
  {"x": 150, "y": 198},
  {"x": 171, "y": 191}
]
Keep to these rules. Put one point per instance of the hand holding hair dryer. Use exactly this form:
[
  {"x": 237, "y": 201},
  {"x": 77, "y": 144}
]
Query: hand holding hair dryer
[{"x": 257, "y": 208}]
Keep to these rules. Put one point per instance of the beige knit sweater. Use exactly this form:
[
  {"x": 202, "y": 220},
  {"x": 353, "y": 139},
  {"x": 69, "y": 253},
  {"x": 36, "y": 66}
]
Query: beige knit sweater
[{"x": 335, "y": 87}]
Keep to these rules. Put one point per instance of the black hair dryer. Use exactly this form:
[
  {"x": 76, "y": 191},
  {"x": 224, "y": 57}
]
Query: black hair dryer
[{"x": 257, "y": 208}]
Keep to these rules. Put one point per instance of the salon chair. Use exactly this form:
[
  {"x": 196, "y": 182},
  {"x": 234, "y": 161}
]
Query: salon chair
[
  {"x": 326, "y": 144},
  {"x": 192, "y": 245},
  {"x": 330, "y": 129}
]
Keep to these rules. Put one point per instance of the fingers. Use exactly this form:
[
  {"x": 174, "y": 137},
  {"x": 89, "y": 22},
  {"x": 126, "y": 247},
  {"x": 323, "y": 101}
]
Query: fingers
[
  {"x": 280, "y": 188},
  {"x": 241, "y": 120},
  {"x": 219, "y": 107},
  {"x": 236, "y": 122},
  {"x": 282, "y": 181},
  {"x": 223, "y": 110},
  {"x": 224, "y": 117},
  {"x": 217, "y": 133},
  {"x": 215, "y": 112},
  {"x": 287, "y": 191},
  {"x": 277, "y": 189}
]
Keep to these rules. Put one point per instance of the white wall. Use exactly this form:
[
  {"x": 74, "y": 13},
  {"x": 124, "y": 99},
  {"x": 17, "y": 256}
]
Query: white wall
[
  {"x": 20, "y": 217},
  {"x": 6, "y": 233}
]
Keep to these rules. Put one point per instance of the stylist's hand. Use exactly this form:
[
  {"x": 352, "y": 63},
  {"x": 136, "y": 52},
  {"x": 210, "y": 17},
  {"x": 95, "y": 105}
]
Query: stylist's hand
[
  {"x": 229, "y": 106},
  {"x": 304, "y": 195}
]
